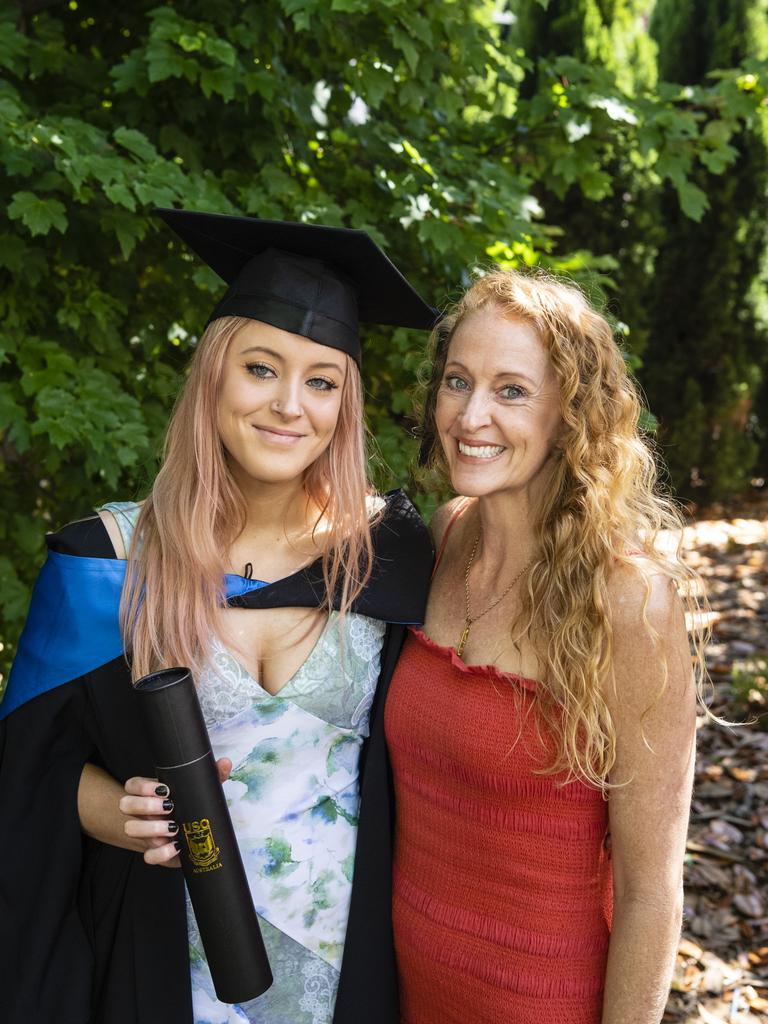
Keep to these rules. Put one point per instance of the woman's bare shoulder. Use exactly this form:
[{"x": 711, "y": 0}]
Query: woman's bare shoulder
[
  {"x": 442, "y": 517},
  {"x": 640, "y": 591}
]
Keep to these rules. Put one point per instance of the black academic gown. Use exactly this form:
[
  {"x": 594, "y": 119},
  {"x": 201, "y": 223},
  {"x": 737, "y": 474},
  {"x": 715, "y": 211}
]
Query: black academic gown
[{"x": 89, "y": 933}]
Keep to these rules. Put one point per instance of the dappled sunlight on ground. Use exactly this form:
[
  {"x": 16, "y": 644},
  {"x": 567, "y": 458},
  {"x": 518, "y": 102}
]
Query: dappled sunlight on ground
[{"x": 721, "y": 976}]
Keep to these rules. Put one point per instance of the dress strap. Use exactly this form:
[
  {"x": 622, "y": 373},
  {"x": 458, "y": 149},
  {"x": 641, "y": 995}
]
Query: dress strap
[
  {"x": 456, "y": 513},
  {"x": 126, "y": 513}
]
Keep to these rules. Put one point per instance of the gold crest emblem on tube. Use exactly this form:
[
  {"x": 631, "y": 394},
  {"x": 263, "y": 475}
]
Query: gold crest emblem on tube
[{"x": 203, "y": 851}]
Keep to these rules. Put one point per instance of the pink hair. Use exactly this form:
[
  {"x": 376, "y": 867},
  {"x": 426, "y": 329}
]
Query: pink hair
[{"x": 195, "y": 511}]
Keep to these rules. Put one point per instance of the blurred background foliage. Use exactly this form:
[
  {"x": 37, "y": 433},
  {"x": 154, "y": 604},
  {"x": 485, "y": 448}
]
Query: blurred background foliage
[{"x": 623, "y": 143}]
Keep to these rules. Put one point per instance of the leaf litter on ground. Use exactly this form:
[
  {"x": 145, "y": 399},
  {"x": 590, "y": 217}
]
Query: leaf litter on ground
[{"x": 721, "y": 973}]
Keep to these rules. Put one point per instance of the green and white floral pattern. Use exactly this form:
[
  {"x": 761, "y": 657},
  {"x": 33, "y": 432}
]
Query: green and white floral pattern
[{"x": 293, "y": 797}]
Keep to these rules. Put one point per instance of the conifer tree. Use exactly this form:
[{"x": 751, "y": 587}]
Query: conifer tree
[
  {"x": 610, "y": 33},
  {"x": 707, "y": 348}
]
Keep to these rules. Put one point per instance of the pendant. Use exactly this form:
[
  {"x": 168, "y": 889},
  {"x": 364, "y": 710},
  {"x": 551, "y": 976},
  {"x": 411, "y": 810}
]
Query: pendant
[{"x": 463, "y": 639}]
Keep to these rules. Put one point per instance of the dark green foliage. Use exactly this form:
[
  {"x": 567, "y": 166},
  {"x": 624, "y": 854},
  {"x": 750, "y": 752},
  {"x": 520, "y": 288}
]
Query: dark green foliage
[
  {"x": 621, "y": 223},
  {"x": 399, "y": 118},
  {"x": 604, "y": 33},
  {"x": 687, "y": 254},
  {"x": 695, "y": 36},
  {"x": 707, "y": 347}
]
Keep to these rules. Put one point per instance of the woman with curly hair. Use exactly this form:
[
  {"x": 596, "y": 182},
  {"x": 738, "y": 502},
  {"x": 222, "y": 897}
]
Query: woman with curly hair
[{"x": 541, "y": 726}]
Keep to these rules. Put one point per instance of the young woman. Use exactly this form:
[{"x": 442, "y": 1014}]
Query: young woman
[
  {"x": 262, "y": 559},
  {"x": 541, "y": 726}
]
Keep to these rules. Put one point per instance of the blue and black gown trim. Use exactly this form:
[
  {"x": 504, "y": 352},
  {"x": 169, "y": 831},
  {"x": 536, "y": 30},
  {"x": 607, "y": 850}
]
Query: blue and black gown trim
[{"x": 91, "y": 934}]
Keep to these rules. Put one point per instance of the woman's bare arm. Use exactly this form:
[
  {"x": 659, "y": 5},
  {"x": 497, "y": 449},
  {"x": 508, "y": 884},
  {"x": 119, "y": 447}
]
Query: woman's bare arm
[
  {"x": 656, "y": 729},
  {"x": 98, "y": 804}
]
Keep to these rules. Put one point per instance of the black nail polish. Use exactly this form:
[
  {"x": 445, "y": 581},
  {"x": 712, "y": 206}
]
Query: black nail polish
[
  {"x": 167, "y": 805},
  {"x": 161, "y": 790},
  {"x": 177, "y": 844},
  {"x": 172, "y": 827}
]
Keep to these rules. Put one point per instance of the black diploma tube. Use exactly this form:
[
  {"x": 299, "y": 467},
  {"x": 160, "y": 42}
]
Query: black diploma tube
[{"x": 210, "y": 858}]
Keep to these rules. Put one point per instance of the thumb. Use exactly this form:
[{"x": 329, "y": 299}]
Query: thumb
[{"x": 224, "y": 766}]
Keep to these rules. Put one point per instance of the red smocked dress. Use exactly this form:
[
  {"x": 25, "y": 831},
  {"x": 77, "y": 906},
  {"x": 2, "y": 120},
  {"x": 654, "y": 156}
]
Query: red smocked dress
[{"x": 502, "y": 879}]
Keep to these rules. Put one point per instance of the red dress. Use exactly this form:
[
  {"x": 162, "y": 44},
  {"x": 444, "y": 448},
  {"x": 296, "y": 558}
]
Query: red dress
[{"x": 502, "y": 880}]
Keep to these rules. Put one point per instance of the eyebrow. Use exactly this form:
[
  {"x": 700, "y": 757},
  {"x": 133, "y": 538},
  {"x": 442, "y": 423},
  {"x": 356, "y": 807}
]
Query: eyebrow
[
  {"x": 281, "y": 358},
  {"x": 501, "y": 373}
]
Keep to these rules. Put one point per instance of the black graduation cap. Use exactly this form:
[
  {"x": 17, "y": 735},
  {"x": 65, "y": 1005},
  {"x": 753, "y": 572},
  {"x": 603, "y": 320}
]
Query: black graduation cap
[{"x": 308, "y": 279}]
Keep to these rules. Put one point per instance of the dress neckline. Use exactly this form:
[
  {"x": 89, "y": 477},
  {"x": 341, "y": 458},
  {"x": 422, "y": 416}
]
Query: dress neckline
[
  {"x": 486, "y": 671},
  {"x": 332, "y": 616}
]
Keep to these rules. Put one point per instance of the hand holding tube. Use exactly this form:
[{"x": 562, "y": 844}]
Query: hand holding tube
[
  {"x": 148, "y": 820},
  {"x": 210, "y": 858}
]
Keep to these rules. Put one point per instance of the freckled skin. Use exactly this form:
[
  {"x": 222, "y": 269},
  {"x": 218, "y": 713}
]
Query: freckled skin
[{"x": 499, "y": 388}]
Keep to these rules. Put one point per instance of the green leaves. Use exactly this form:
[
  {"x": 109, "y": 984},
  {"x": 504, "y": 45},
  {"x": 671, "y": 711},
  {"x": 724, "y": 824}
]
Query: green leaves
[
  {"x": 127, "y": 228},
  {"x": 38, "y": 215},
  {"x": 220, "y": 50},
  {"x": 135, "y": 142},
  {"x": 180, "y": 47},
  {"x": 441, "y": 234},
  {"x": 12, "y": 251},
  {"x": 13, "y": 46},
  {"x": 119, "y": 194},
  {"x": 693, "y": 200},
  {"x": 94, "y": 415},
  {"x": 407, "y": 47},
  {"x": 357, "y": 6}
]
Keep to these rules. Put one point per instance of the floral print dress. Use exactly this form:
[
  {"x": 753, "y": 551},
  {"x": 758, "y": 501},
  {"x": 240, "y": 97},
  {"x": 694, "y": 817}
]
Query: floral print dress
[{"x": 293, "y": 795}]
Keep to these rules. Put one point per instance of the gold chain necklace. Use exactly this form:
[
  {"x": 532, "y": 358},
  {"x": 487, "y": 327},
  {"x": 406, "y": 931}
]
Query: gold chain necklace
[{"x": 469, "y": 619}]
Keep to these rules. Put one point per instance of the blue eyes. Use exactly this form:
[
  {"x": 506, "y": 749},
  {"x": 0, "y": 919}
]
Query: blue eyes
[
  {"x": 259, "y": 370},
  {"x": 263, "y": 372},
  {"x": 508, "y": 392}
]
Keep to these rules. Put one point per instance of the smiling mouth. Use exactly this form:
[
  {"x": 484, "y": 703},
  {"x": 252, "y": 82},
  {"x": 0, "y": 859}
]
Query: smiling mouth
[
  {"x": 480, "y": 451},
  {"x": 278, "y": 436}
]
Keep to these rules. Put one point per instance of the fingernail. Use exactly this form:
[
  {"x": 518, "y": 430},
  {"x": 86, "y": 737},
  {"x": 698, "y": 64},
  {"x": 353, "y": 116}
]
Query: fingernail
[
  {"x": 161, "y": 790},
  {"x": 172, "y": 827},
  {"x": 167, "y": 805},
  {"x": 177, "y": 844}
]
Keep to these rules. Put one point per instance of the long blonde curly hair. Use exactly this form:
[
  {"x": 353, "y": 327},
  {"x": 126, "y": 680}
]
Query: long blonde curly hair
[{"x": 603, "y": 503}]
